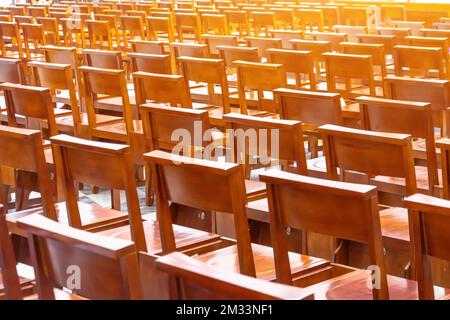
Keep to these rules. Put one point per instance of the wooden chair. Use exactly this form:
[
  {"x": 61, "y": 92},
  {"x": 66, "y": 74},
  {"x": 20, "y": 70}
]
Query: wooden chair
[
  {"x": 132, "y": 27},
  {"x": 113, "y": 26},
  {"x": 338, "y": 65},
  {"x": 23, "y": 151},
  {"x": 229, "y": 54},
  {"x": 419, "y": 59},
  {"x": 11, "y": 30},
  {"x": 147, "y": 47},
  {"x": 413, "y": 26},
  {"x": 37, "y": 11},
  {"x": 295, "y": 62},
  {"x": 51, "y": 29},
  {"x": 103, "y": 59},
  {"x": 191, "y": 274},
  {"x": 263, "y": 21},
  {"x": 110, "y": 265},
  {"x": 213, "y": 41},
  {"x": 161, "y": 88},
  {"x": 435, "y": 92},
  {"x": 153, "y": 63},
  {"x": 74, "y": 32},
  {"x": 190, "y": 22},
  {"x": 188, "y": 50},
  {"x": 161, "y": 25},
  {"x": 428, "y": 220},
  {"x": 310, "y": 19},
  {"x": 376, "y": 51},
  {"x": 317, "y": 48},
  {"x": 286, "y": 36},
  {"x": 262, "y": 78},
  {"x": 361, "y": 222},
  {"x": 214, "y": 23},
  {"x": 353, "y": 16},
  {"x": 435, "y": 33},
  {"x": 62, "y": 55},
  {"x": 382, "y": 115},
  {"x": 99, "y": 32},
  {"x": 392, "y": 13},
  {"x": 263, "y": 44},
  {"x": 230, "y": 199},
  {"x": 24, "y": 19},
  {"x": 333, "y": 37},
  {"x": 238, "y": 20},
  {"x": 33, "y": 33},
  {"x": 432, "y": 42}
]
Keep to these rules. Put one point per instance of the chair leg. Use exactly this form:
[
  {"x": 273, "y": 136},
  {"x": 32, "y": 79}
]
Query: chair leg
[
  {"x": 149, "y": 192},
  {"x": 24, "y": 185},
  {"x": 115, "y": 199}
]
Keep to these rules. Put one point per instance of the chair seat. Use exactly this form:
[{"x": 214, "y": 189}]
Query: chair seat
[
  {"x": 185, "y": 238},
  {"x": 255, "y": 189},
  {"x": 93, "y": 218},
  {"x": 117, "y": 130},
  {"x": 67, "y": 121},
  {"x": 397, "y": 185},
  {"x": 353, "y": 286},
  {"x": 420, "y": 150},
  {"x": 394, "y": 228},
  {"x": 226, "y": 259}
]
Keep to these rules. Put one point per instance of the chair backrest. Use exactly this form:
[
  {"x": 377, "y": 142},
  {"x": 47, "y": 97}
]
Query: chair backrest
[
  {"x": 418, "y": 58},
  {"x": 365, "y": 151},
  {"x": 188, "y": 181},
  {"x": 295, "y": 61},
  {"x": 161, "y": 88},
  {"x": 51, "y": 30},
  {"x": 414, "y": 26},
  {"x": 189, "y": 50},
  {"x": 73, "y": 29},
  {"x": 399, "y": 33},
  {"x": 22, "y": 149},
  {"x": 107, "y": 267},
  {"x": 334, "y": 37},
  {"x": 259, "y": 77},
  {"x": 99, "y": 32},
  {"x": 351, "y": 31},
  {"x": 197, "y": 280},
  {"x": 11, "y": 29},
  {"x": 313, "y": 109},
  {"x": 429, "y": 218},
  {"x": 316, "y": 205},
  {"x": 263, "y": 44},
  {"x": 103, "y": 59},
  {"x": 286, "y": 36},
  {"x": 310, "y": 18},
  {"x": 132, "y": 27},
  {"x": 12, "y": 70},
  {"x": 8, "y": 271},
  {"x": 229, "y": 54},
  {"x": 63, "y": 55},
  {"x": 153, "y": 63},
  {"x": 435, "y": 33},
  {"x": 433, "y": 91},
  {"x": 161, "y": 24},
  {"x": 317, "y": 48},
  {"x": 210, "y": 71},
  {"x": 268, "y": 140},
  {"x": 212, "y": 41},
  {"x": 101, "y": 164},
  {"x": 161, "y": 123},
  {"x": 348, "y": 67},
  {"x": 388, "y": 41},
  {"x": 214, "y": 23},
  {"x": 382, "y": 115},
  {"x": 30, "y": 102},
  {"x": 57, "y": 77},
  {"x": 438, "y": 42},
  {"x": 148, "y": 47},
  {"x": 190, "y": 20}
]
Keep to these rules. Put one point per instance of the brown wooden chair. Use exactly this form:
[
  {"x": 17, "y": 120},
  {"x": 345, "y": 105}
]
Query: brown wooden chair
[
  {"x": 153, "y": 63},
  {"x": 317, "y": 48},
  {"x": 334, "y": 38},
  {"x": 261, "y": 78},
  {"x": 320, "y": 201},
  {"x": 33, "y": 33},
  {"x": 188, "y": 50},
  {"x": 99, "y": 33},
  {"x": 299, "y": 63},
  {"x": 11, "y": 30},
  {"x": 188, "y": 22},
  {"x": 132, "y": 27},
  {"x": 238, "y": 20},
  {"x": 229, "y": 200},
  {"x": 375, "y": 50},
  {"x": 229, "y": 54},
  {"x": 399, "y": 33},
  {"x": 161, "y": 26},
  {"x": 191, "y": 274},
  {"x": 73, "y": 32},
  {"x": 388, "y": 41},
  {"x": 419, "y": 59},
  {"x": 351, "y": 31},
  {"x": 51, "y": 30},
  {"x": 428, "y": 220},
  {"x": 382, "y": 115},
  {"x": 113, "y": 27},
  {"x": 109, "y": 265},
  {"x": 310, "y": 19},
  {"x": 348, "y": 67},
  {"x": 12, "y": 70},
  {"x": 215, "y": 24},
  {"x": 62, "y": 55},
  {"x": 263, "y": 21},
  {"x": 286, "y": 36}
]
